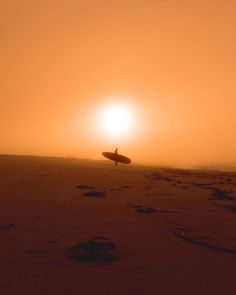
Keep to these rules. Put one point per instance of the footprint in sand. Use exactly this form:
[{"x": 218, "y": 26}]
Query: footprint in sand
[{"x": 97, "y": 249}]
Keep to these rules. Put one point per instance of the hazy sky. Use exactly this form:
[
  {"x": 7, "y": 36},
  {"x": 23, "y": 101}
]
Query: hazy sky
[{"x": 173, "y": 62}]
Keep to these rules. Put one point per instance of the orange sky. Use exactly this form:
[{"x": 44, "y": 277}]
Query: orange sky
[{"x": 172, "y": 61}]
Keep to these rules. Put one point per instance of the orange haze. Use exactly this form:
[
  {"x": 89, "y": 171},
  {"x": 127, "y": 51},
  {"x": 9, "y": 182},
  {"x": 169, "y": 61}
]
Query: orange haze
[{"x": 172, "y": 61}]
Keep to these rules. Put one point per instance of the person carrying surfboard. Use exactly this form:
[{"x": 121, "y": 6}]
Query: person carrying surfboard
[
  {"x": 116, "y": 152},
  {"x": 117, "y": 158}
]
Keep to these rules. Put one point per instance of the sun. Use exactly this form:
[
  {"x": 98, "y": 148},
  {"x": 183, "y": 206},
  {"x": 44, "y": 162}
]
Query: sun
[{"x": 117, "y": 119}]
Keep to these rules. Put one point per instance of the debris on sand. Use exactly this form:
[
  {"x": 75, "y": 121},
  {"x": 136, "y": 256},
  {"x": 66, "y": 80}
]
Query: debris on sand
[
  {"x": 95, "y": 194},
  {"x": 98, "y": 249},
  {"x": 6, "y": 226},
  {"x": 83, "y": 186}
]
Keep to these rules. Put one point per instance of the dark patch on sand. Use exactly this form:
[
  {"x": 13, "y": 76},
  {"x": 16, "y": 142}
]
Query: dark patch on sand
[
  {"x": 126, "y": 186},
  {"x": 146, "y": 210},
  {"x": 135, "y": 206},
  {"x": 6, "y": 226},
  {"x": 218, "y": 194},
  {"x": 204, "y": 185},
  {"x": 159, "y": 176},
  {"x": 95, "y": 194},
  {"x": 98, "y": 249},
  {"x": 83, "y": 186}
]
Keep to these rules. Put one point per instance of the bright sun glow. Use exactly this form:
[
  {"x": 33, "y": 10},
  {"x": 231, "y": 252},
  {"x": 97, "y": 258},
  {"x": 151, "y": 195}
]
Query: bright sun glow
[{"x": 117, "y": 120}]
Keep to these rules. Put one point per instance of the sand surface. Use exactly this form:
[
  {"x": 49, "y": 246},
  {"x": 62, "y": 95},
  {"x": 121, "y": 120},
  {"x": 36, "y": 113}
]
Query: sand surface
[{"x": 48, "y": 205}]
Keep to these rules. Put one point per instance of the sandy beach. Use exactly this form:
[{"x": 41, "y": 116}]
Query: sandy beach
[{"x": 173, "y": 231}]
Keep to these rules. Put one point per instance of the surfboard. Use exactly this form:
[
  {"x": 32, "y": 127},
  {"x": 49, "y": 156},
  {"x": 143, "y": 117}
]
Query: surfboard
[{"x": 116, "y": 157}]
